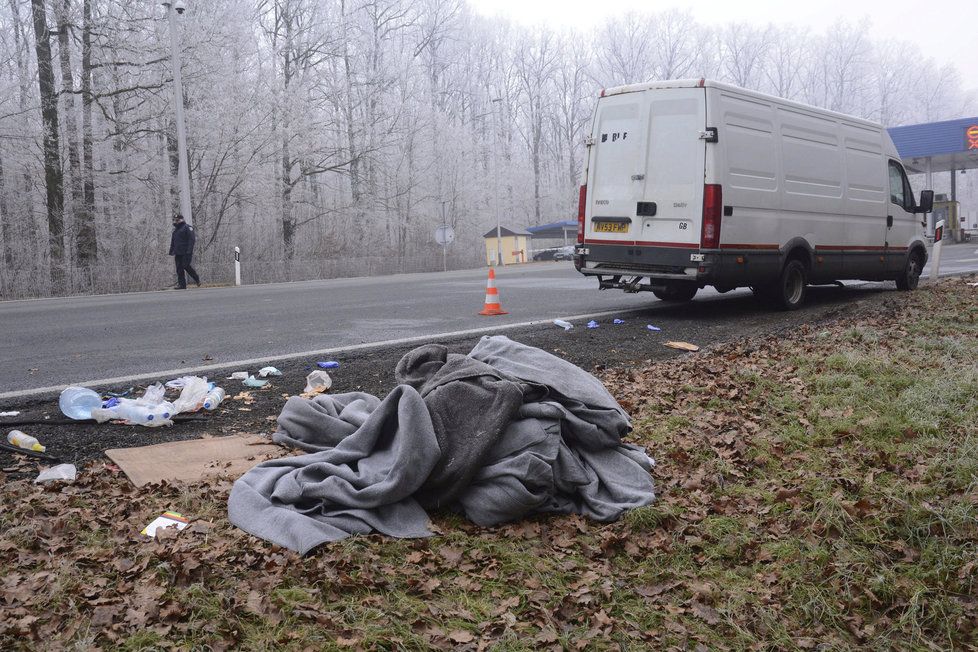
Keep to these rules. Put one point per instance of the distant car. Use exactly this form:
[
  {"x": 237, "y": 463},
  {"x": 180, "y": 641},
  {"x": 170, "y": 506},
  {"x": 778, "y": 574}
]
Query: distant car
[
  {"x": 564, "y": 253},
  {"x": 545, "y": 254}
]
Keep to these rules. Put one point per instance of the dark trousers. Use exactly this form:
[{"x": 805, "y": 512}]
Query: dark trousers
[{"x": 183, "y": 265}]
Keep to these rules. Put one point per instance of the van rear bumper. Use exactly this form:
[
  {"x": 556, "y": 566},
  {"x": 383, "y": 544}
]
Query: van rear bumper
[{"x": 618, "y": 266}]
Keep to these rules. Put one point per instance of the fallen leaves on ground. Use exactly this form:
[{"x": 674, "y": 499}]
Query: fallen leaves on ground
[{"x": 814, "y": 488}]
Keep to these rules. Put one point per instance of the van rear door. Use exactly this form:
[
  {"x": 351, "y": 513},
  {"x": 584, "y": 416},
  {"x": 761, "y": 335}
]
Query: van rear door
[
  {"x": 647, "y": 168},
  {"x": 617, "y": 168},
  {"x": 675, "y": 168}
]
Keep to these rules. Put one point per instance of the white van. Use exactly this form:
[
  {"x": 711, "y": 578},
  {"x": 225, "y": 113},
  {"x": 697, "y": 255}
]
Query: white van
[{"x": 694, "y": 183}]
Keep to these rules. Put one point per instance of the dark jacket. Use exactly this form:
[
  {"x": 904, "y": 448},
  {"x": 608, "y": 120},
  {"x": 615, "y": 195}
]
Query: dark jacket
[{"x": 182, "y": 240}]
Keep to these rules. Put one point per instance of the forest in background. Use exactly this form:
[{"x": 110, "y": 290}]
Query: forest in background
[{"x": 331, "y": 137}]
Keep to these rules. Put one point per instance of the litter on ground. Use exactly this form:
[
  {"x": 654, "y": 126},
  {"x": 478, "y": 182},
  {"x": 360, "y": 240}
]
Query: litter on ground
[
  {"x": 251, "y": 381},
  {"x": 66, "y": 472},
  {"x": 25, "y": 441},
  {"x": 317, "y": 382},
  {"x": 12, "y": 413},
  {"x": 592, "y": 324},
  {"x": 328, "y": 364},
  {"x": 682, "y": 346},
  {"x": 168, "y": 519},
  {"x": 264, "y": 372},
  {"x": 238, "y": 375},
  {"x": 378, "y": 464},
  {"x": 653, "y": 328},
  {"x": 193, "y": 459},
  {"x": 618, "y": 321},
  {"x": 566, "y": 325}
]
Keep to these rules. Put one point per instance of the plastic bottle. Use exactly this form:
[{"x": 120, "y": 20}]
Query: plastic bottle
[
  {"x": 566, "y": 325},
  {"x": 213, "y": 398},
  {"x": 21, "y": 440},
  {"x": 138, "y": 414},
  {"x": 78, "y": 402}
]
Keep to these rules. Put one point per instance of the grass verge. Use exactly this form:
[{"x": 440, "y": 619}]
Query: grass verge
[{"x": 816, "y": 489}]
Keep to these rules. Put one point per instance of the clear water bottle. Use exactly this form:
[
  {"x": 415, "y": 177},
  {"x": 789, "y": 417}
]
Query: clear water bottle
[
  {"x": 138, "y": 414},
  {"x": 78, "y": 402},
  {"x": 213, "y": 398},
  {"x": 21, "y": 440}
]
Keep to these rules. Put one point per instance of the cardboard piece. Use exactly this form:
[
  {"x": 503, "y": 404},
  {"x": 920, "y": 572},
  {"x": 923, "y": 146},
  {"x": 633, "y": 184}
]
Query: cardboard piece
[
  {"x": 193, "y": 459},
  {"x": 682, "y": 346}
]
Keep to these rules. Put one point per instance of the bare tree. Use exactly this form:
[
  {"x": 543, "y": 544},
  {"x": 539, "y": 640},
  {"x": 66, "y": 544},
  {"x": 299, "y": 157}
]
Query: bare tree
[{"x": 53, "y": 178}]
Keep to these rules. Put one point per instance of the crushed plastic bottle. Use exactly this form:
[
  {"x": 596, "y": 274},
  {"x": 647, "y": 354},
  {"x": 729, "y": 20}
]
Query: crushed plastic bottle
[
  {"x": 213, "y": 398},
  {"x": 592, "y": 324},
  {"x": 566, "y": 325},
  {"x": 619, "y": 321},
  {"x": 328, "y": 364},
  {"x": 268, "y": 371},
  {"x": 137, "y": 413},
  {"x": 78, "y": 402},
  {"x": 23, "y": 440},
  {"x": 653, "y": 328}
]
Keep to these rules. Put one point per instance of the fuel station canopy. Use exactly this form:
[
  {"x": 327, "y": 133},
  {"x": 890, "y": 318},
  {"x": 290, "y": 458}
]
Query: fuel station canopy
[{"x": 945, "y": 146}]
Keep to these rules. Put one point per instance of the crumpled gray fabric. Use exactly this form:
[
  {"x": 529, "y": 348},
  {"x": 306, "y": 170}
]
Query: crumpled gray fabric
[
  {"x": 365, "y": 483},
  {"x": 507, "y": 431},
  {"x": 470, "y": 405}
]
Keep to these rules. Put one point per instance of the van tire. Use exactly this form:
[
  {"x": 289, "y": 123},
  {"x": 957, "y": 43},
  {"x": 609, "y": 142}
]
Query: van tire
[
  {"x": 788, "y": 292},
  {"x": 910, "y": 277},
  {"x": 676, "y": 292}
]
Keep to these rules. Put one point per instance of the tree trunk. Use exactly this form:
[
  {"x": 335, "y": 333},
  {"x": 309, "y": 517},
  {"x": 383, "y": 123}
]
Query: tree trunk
[
  {"x": 84, "y": 236},
  {"x": 86, "y": 218},
  {"x": 288, "y": 220},
  {"x": 5, "y": 223},
  {"x": 24, "y": 100},
  {"x": 53, "y": 180}
]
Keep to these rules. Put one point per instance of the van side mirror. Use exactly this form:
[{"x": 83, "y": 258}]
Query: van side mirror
[{"x": 926, "y": 204}]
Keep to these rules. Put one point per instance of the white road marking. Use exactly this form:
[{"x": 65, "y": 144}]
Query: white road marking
[{"x": 254, "y": 362}]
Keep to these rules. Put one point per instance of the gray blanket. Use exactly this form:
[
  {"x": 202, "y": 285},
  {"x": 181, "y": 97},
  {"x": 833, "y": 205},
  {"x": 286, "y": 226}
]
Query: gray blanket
[{"x": 507, "y": 431}]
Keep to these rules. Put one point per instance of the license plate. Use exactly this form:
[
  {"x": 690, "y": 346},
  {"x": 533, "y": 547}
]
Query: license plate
[{"x": 611, "y": 227}]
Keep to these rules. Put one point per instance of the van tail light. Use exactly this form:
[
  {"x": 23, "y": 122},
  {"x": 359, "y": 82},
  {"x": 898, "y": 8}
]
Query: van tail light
[
  {"x": 581, "y": 206},
  {"x": 712, "y": 210}
]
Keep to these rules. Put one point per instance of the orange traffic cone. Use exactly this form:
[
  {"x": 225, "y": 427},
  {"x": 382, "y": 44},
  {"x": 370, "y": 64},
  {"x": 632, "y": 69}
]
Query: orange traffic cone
[{"x": 492, "y": 297}]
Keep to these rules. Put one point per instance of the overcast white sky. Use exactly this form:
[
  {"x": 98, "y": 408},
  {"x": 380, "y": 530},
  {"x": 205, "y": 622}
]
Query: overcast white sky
[{"x": 946, "y": 30}]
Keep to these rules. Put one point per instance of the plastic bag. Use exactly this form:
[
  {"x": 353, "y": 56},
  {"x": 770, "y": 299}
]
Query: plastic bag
[
  {"x": 60, "y": 472},
  {"x": 152, "y": 396},
  {"x": 193, "y": 394},
  {"x": 318, "y": 381}
]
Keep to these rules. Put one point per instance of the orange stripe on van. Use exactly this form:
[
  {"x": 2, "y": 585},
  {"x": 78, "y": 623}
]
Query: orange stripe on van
[
  {"x": 749, "y": 246},
  {"x": 857, "y": 248}
]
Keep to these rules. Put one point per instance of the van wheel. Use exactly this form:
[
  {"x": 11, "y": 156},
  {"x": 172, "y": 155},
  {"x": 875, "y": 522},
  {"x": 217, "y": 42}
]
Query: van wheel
[
  {"x": 788, "y": 293},
  {"x": 910, "y": 278},
  {"x": 678, "y": 292}
]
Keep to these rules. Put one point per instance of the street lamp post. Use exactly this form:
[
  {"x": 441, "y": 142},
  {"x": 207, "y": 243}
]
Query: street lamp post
[
  {"x": 183, "y": 169},
  {"x": 495, "y": 182}
]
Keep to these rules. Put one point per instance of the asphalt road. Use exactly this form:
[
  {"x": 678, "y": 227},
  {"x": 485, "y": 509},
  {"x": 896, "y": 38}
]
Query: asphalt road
[{"x": 56, "y": 342}]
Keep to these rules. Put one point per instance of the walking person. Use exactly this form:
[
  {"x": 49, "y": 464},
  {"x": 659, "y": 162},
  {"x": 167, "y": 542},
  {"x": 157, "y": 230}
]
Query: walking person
[{"x": 182, "y": 249}]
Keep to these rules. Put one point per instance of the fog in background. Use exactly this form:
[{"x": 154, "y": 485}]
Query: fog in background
[{"x": 331, "y": 137}]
